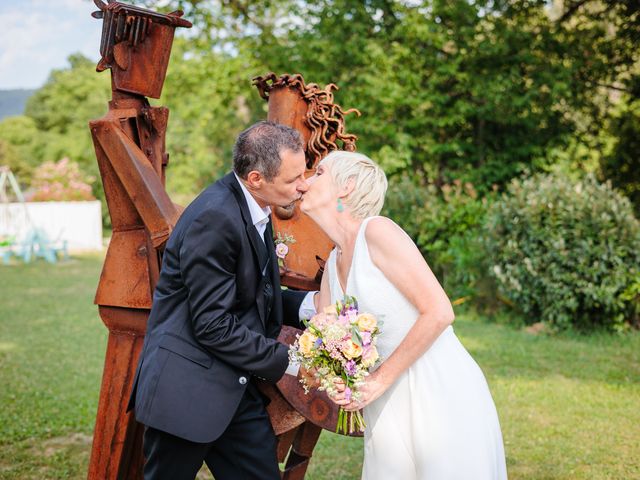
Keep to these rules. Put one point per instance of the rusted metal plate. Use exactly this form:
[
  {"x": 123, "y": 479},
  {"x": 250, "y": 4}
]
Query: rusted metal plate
[
  {"x": 125, "y": 280},
  {"x": 287, "y": 107},
  {"x": 314, "y": 406},
  {"x": 149, "y": 73},
  {"x": 117, "y": 437}
]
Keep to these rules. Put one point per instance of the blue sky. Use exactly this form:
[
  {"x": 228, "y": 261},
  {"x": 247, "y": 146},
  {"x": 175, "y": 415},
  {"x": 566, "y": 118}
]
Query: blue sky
[{"x": 37, "y": 36}]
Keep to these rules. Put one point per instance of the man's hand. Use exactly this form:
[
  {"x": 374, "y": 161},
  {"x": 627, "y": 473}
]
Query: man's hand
[{"x": 316, "y": 299}]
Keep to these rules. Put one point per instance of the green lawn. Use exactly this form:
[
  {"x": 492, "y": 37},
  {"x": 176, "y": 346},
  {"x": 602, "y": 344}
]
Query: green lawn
[{"x": 569, "y": 405}]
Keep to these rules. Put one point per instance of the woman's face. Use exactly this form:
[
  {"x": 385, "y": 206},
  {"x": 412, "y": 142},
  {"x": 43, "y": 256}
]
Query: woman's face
[{"x": 322, "y": 191}]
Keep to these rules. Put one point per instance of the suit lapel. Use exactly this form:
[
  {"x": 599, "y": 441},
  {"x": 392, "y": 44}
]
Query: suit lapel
[
  {"x": 260, "y": 250},
  {"x": 257, "y": 244},
  {"x": 276, "y": 311}
]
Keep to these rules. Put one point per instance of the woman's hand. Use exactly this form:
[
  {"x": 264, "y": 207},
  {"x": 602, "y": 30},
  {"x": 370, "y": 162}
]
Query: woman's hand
[{"x": 372, "y": 389}]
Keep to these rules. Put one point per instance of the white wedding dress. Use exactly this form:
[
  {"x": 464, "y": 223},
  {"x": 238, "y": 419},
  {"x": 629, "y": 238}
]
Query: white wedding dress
[{"x": 438, "y": 420}]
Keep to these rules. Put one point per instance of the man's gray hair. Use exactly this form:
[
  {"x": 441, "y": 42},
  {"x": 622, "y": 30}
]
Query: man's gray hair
[{"x": 259, "y": 147}]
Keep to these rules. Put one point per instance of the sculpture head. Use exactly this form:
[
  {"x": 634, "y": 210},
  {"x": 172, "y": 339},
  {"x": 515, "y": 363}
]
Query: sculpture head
[
  {"x": 309, "y": 109},
  {"x": 136, "y": 45}
]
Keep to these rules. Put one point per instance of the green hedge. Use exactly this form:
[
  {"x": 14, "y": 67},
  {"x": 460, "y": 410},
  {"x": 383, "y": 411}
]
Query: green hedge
[
  {"x": 564, "y": 252},
  {"x": 445, "y": 223}
]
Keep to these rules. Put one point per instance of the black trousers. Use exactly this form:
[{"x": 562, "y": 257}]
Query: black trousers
[{"x": 245, "y": 451}]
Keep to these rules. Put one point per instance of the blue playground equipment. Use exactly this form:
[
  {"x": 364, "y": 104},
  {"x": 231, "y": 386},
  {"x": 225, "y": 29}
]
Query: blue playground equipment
[{"x": 35, "y": 242}]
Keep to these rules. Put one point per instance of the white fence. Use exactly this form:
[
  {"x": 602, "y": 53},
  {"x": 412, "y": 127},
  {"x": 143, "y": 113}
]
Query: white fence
[{"x": 79, "y": 223}]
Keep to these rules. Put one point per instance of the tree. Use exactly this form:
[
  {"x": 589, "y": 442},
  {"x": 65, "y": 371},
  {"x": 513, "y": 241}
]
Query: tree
[
  {"x": 62, "y": 108},
  {"x": 211, "y": 100},
  {"x": 621, "y": 164},
  {"x": 19, "y": 142},
  {"x": 480, "y": 91}
]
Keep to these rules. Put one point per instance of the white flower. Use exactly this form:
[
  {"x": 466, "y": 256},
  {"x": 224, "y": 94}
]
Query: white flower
[{"x": 282, "y": 250}]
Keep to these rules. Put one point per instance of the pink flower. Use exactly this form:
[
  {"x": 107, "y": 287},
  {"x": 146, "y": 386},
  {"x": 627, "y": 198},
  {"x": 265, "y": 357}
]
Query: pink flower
[
  {"x": 351, "y": 314},
  {"x": 366, "y": 338},
  {"x": 282, "y": 250},
  {"x": 319, "y": 320}
]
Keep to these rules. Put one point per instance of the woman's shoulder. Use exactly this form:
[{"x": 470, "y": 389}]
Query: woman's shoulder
[
  {"x": 379, "y": 226},
  {"x": 384, "y": 234}
]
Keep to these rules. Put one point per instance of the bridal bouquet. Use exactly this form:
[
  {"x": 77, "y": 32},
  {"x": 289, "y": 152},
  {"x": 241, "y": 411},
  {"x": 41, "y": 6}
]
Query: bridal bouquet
[{"x": 339, "y": 343}]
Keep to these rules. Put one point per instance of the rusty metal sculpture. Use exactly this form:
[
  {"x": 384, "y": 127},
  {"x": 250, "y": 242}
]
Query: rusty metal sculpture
[
  {"x": 312, "y": 111},
  {"x": 298, "y": 418},
  {"x": 130, "y": 148}
]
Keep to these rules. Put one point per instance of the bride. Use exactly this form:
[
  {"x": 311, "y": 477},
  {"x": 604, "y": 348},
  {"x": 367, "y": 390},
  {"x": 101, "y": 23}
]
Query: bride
[{"x": 428, "y": 409}]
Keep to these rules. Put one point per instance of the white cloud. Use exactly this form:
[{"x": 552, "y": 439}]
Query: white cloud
[{"x": 38, "y": 36}]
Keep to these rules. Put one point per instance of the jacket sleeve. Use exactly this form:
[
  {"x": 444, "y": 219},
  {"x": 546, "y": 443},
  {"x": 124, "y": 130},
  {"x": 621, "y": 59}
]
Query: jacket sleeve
[
  {"x": 208, "y": 258},
  {"x": 291, "y": 301}
]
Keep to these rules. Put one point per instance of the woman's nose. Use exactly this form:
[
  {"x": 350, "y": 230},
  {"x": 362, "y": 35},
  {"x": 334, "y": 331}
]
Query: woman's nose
[{"x": 303, "y": 186}]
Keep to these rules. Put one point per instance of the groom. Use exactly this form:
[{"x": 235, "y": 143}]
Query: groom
[{"x": 217, "y": 310}]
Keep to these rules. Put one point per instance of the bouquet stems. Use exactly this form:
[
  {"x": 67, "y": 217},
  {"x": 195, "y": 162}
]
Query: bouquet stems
[{"x": 350, "y": 422}]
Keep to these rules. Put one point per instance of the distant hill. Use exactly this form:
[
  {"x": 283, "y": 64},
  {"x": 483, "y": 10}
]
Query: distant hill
[{"x": 12, "y": 102}]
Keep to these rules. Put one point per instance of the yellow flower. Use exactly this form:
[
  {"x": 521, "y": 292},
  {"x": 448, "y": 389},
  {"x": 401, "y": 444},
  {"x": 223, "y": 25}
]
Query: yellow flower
[
  {"x": 305, "y": 342},
  {"x": 351, "y": 350},
  {"x": 367, "y": 322}
]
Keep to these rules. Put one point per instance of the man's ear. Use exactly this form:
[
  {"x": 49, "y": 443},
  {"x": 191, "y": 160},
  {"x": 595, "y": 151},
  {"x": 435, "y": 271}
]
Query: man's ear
[{"x": 255, "y": 179}]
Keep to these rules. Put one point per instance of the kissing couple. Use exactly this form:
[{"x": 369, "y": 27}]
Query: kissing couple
[{"x": 218, "y": 309}]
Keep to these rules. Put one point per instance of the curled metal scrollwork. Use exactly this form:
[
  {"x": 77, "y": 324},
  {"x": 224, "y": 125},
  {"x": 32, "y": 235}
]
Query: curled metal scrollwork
[{"x": 324, "y": 117}]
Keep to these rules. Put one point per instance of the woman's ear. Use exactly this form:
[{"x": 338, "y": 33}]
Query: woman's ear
[{"x": 348, "y": 188}]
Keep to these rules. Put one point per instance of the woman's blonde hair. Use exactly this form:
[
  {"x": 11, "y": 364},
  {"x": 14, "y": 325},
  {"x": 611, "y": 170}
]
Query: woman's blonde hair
[{"x": 370, "y": 182}]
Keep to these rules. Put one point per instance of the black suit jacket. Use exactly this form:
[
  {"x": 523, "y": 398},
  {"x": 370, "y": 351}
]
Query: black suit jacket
[{"x": 214, "y": 319}]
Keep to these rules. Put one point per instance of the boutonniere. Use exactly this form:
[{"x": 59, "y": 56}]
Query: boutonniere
[{"x": 282, "y": 242}]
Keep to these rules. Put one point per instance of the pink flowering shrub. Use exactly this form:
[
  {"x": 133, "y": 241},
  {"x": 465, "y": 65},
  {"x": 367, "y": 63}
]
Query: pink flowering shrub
[{"x": 60, "y": 181}]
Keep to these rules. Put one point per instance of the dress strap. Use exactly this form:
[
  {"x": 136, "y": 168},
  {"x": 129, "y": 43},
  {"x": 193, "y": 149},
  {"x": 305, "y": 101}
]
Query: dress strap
[{"x": 361, "y": 237}]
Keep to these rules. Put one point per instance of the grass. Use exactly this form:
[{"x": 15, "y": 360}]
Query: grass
[
  {"x": 568, "y": 403},
  {"x": 52, "y": 346}
]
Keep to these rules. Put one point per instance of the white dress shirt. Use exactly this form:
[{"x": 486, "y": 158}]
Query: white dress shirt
[{"x": 260, "y": 218}]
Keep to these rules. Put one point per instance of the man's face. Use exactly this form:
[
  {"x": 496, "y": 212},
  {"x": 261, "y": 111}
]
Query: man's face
[{"x": 289, "y": 185}]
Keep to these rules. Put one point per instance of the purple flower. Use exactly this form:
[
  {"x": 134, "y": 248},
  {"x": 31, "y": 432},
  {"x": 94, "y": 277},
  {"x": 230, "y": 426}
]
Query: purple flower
[
  {"x": 318, "y": 343},
  {"x": 350, "y": 368},
  {"x": 347, "y": 394}
]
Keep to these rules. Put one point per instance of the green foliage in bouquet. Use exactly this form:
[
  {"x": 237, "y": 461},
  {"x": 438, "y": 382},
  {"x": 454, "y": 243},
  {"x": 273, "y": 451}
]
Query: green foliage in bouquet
[{"x": 565, "y": 252}]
